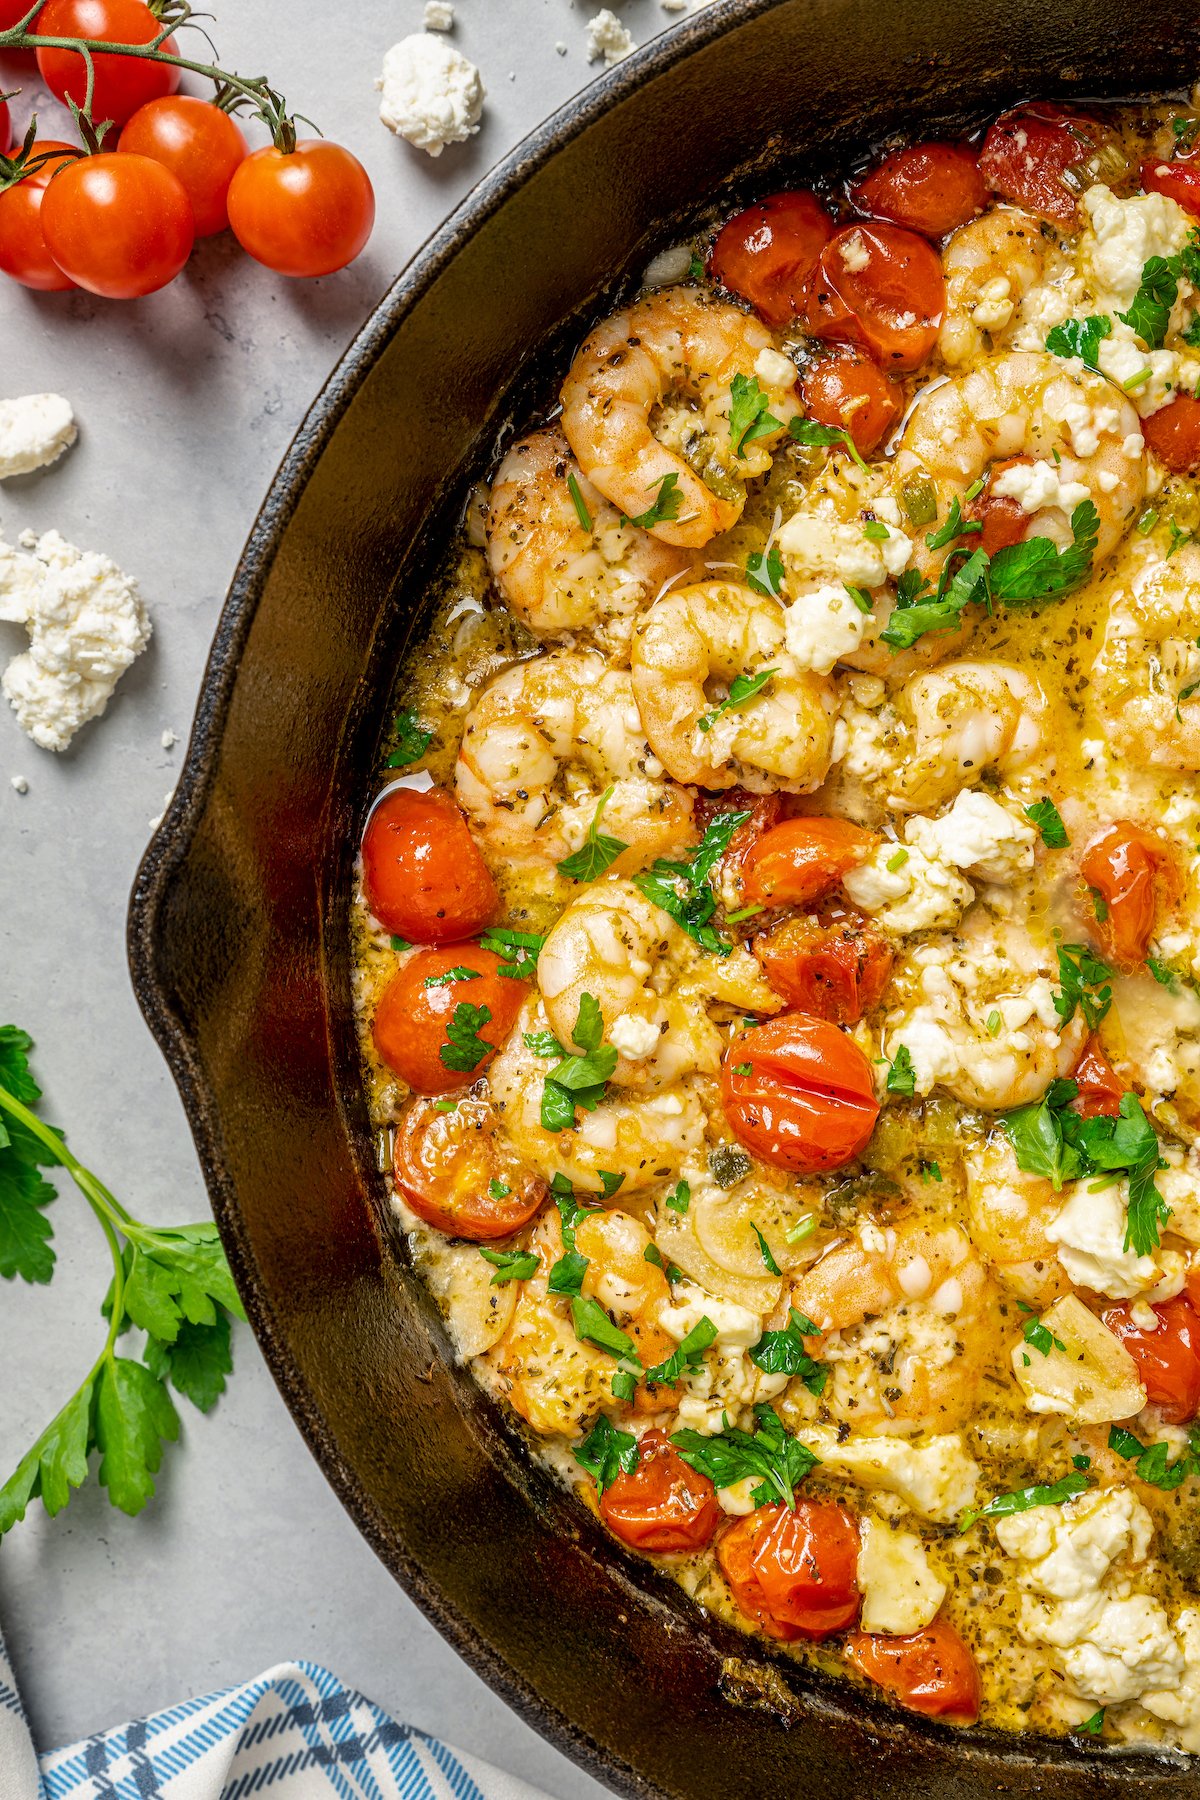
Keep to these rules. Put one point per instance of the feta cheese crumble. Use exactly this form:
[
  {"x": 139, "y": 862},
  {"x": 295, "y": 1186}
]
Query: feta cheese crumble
[
  {"x": 908, "y": 891},
  {"x": 901, "y": 1593},
  {"x": 634, "y": 1037},
  {"x": 822, "y": 627},
  {"x": 608, "y": 38},
  {"x": 35, "y": 430},
  {"x": 977, "y": 835},
  {"x": 432, "y": 96},
  {"x": 86, "y": 625},
  {"x": 1123, "y": 236},
  {"x": 1037, "y": 485},
  {"x": 815, "y": 546}
]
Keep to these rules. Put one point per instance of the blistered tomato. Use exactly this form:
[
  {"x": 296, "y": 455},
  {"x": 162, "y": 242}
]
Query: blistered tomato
[
  {"x": 931, "y": 1672},
  {"x": 768, "y": 253},
  {"x": 458, "y": 1170},
  {"x": 799, "y": 1093},
  {"x": 420, "y": 1005},
  {"x": 794, "y": 1571},
  {"x": 422, "y": 873},
  {"x": 881, "y": 287},
  {"x": 663, "y": 1505},
  {"x": 931, "y": 188}
]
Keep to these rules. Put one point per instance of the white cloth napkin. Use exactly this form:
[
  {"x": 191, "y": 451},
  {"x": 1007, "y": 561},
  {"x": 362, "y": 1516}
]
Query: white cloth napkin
[{"x": 293, "y": 1733}]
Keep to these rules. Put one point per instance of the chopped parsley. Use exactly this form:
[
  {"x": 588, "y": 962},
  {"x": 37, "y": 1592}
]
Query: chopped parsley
[
  {"x": 901, "y": 1076},
  {"x": 598, "y": 852},
  {"x": 510, "y": 1265},
  {"x": 464, "y": 1049},
  {"x": 399, "y": 944},
  {"x": 764, "y": 1250},
  {"x": 1164, "y": 974},
  {"x": 1037, "y": 569},
  {"x": 499, "y": 1190},
  {"x": 459, "y": 973},
  {"x": 680, "y": 1197},
  {"x": 606, "y": 1453},
  {"x": 594, "y": 1326},
  {"x": 1080, "y": 338},
  {"x": 667, "y": 503},
  {"x": 749, "y": 417},
  {"x": 954, "y": 527},
  {"x": 920, "y": 609},
  {"x": 682, "y": 889},
  {"x": 519, "y": 950},
  {"x": 818, "y": 437},
  {"x": 1150, "y": 309},
  {"x": 412, "y": 741},
  {"x": 579, "y": 1080},
  {"x": 688, "y": 1354},
  {"x": 861, "y": 596},
  {"x": 1039, "y": 1336},
  {"x": 1052, "y": 1140},
  {"x": 1083, "y": 984},
  {"x": 609, "y": 1183},
  {"x": 1092, "y": 1727},
  {"x": 742, "y": 690},
  {"x": 1046, "y": 816},
  {"x": 1053, "y": 1493},
  {"x": 1150, "y": 1461},
  {"x": 778, "y": 1461},
  {"x": 578, "y": 502},
  {"x": 764, "y": 572},
  {"x": 543, "y": 1043},
  {"x": 783, "y": 1353}
]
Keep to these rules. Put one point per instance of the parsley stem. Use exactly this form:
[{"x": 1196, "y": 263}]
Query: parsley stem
[{"x": 106, "y": 1206}]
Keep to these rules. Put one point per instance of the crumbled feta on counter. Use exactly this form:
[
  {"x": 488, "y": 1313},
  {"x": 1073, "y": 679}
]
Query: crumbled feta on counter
[
  {"x": 908, "y": 891},
  {"x": 432, "y": 96},
  {"x": 86, "y": 625},
  {"x": 35, "y": 430},
  {"x": 978, "y": 835},
  {"x": 439, "y": 15},
  {"x": 900, "y": 1591},
  {"x": 608, "y": 38},
  {"x": 822, "y": 627}
]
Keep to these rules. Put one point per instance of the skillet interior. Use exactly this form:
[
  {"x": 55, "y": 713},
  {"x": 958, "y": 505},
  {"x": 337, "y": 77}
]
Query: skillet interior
[{"x": 238, "y": 932}]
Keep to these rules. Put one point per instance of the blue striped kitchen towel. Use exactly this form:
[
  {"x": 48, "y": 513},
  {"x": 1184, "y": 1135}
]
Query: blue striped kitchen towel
[{"x": 293, "y": 1733}]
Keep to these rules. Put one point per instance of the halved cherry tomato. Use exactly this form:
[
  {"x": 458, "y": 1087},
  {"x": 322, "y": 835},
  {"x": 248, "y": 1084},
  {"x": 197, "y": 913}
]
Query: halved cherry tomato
[
  {"x": 802, "y": 860},
  {"x": 1100, "y": 1088},
  {"x": 931, "y": 188},
  {"x": 766, "y": 810},
  {"x": 882, "y": 287},
  {"x": 834, "y": 966},
  {"x": 23, "y": 252},
  {"x": 1173, "y": 433},
  {"x": 199, "y": 143},
  {"x": 767, "y": 253},
  {"x": 1126, "y": 866},
  {"x": 846, "y": 388},
  {"x": 458, "y": 1171},
  {"x": 302, "y": 212},
  {"x": 122, "y": 83},
  {"x": 1179, "y": 181},
  {"x": 120, "y": 226},
  {"x": 931, "y": 1672},
  {"x": 418, "y": 1003},
  {"x": 1167, "y": 1355},
  {"x": 422, "y": 873},
  {"x": 1003, "y": 518},
  {"x": 795, "y": 1572},
  {"x": 664, "y": 1505},
  {"x": 1026, "y": 152},
  {"x": 799, "y": 1093}
]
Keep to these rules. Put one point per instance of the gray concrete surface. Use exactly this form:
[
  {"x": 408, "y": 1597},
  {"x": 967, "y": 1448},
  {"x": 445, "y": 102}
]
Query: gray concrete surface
[{"x": 186, "y": 402}]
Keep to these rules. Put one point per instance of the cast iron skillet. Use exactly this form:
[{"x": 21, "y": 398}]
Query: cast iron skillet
[{"x": 238, "y": 921}]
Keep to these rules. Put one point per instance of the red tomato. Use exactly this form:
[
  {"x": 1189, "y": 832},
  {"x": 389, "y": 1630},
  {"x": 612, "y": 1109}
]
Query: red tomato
[
  {"x": 199, "y": 143},
  {"x": 423, "y": 876},
  {"x": 765, "y": 811},
  {"x": 767, "y": 253},
  {"x": 23, "y": 252},
  {"x": 1126, "y": 865},
  {"x": 803, "y": 859},
  {"x": 1003, "y": 518},
  {"x": 794, "y": 1572},
  {"x": 931, "y": 188},
  {"x": 120, "y": 226},
  {"x": 798, "y": 1093},
  {"x": 458, "y": 1171},
  {"x": 412, "y": 1016},
  {"x": 1026, "y": 152},
  {"x": 1173, "y": 433},
  {"x": 1100, "y": 1088},
  {"x": 1179, "y": 181},
  {"x": 123, "y": 83},
  {"x": 1167, "y": 1355},
  {"x": 304, "y": 212},
  {"x": 846, "y": 388},
  {"x": 931, "y": 1672},
  {"x": 664, "y": 1505},
  {"x": 835, "y": 966},
  {"x": 882, "y": 287}
]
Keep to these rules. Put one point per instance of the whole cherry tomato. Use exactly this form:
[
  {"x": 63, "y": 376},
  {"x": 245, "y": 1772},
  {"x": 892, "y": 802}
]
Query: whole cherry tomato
[
  {"x": 1179, "y": 181},
  {"x": 1003, "y": 518},
  {"x": 767, "y": 253},
  {"x": 1100, "y": 1088},
  {"x": 931, "y": 188},
  {"x": 803, "y": 859},
  {"x": 847, "y": 389},
  {"x": 123, "y": 83},
  {"x": 416, "y": 1007},
  {"x": 1126, "y": 866},
  {"x": 834, "y": 966},
  {"x": 1026, "y": 153},
  {"x": 1167, "y": 1355},
  {"x": 931, "y": 1672},
  {"x": 1173, "y": 433},
  {"x": 199, "y": 143},
  {"x": 663, "y": 1505},
  {"x": 120, "y": 226},
  {"x": 882, "y": 287},
  {"x": 423, "y": 876},
  {"x": 798, "y": 1093},
  {"x": 795, "y": 1572},
  {"x": 23, "y": 252},
  {"x": 458, "y": 1171},
  {"x": 308, "y": 211}
]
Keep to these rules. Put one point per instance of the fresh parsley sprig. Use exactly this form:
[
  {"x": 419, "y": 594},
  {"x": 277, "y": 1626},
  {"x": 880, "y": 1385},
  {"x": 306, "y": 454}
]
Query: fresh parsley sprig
[
  {"x": 172, "y": 1283},
  {"x": 1080, "y": 338},
  {"x": 1084, "y": 983},
  {"x": 822, "y": 437},
  {"x": 1035, "y": 570},
  {"x": 683, "y": 889},
  {"x": 464, "y": 1049},
  {"x": 607, "y": 1452},
  {"x": 780, "y": 1462},
  {"x": 1152, "y": 1462},
  {"x": 1052, "y": 1140},
  {"x": 901, "y": 1075},
  {"x": 665, "y": 508},
  {"x": 579, "y": 1080}
]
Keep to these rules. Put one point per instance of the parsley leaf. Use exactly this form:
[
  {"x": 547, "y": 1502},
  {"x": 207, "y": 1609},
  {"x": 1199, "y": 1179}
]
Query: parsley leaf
[
  {"x": 1046, "y": 816},
  {"x": 606, "y": 1453},
  {"x": 566, "y": 1277},
  {"x": 742, "y": 690},
  {"x": 1038, "y": 570},
  {"x": 764, "y": 572},
  {"x": 1164, "y": 974},
  {"x": 1083, "y": 983},
  {"x": 598, "y": 851},
  {"x": 594, "y": 1326},
  {"x": 667, "y": 503},
  {"x": 609, "y": 1183},
  {"x": 748, "y": 415},
  {"x": 412, "y": 741},
  {"x": 764, "y": 1250},
  {"x": 783, "y": 1353},
  {"x": 901, "y": 1076},
  {"x": 816, "y": 437},
  {"x": 510, "y": 1265},
  {"x": 25, "y": 1231},
  {"x": 579, "y": 1080},
  {"x": 1080, "y": 338},
  {"x": 680, "y": 1197},
  {"x": 1150, "y": 1461},
  {"x": 520, "y": 950},
  {"x": 1129, "y": 1145},
  {"x": 682, "y": 889},
  {"x": 1093, "y": 1726},
  {"x": 1054, "y": 1493},
  {"x": 688, "y": 1354},
  {"x": 920, "y": 609},
  {"x": 464, "y": 1049},
  {"x": 543, "y": 1043},
  {"x": 954, "y": 527},
  {"x": 1150, "y": 309},
  {"x": 1040, "y": 1336},
  {"x": 460, "y": 973},
  {"x": 780, "y": 1462},
  {"x": 1039, "y": 1136}
]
